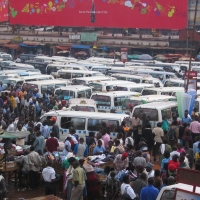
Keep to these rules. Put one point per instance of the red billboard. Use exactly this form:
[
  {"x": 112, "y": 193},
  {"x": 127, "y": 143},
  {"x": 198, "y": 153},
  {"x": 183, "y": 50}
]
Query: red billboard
[
  {"x": 3, "y": 10},
  {"x": 157, "y": 14}
]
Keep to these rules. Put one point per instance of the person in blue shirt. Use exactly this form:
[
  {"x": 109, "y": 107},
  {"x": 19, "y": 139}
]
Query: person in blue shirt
[
  {"x": 45, "y": 129},
  {"x": 2, "y": 87},
  {"x": 98, "y": 150},
  {"x": 186, "y": 118},
  {"x": 149, "y": 192},
  {"x": 195, "y": 145},
  {"x": 166, "y": 159},
  {"x": 81, "y": 150},
  {"x": 67, "y": 147}
]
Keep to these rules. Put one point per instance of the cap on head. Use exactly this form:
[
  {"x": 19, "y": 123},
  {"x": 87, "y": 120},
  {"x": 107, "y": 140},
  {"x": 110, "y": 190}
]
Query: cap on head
[
  {"x": 150, "y": 165},
  {"x": 125, "y": 155},
  {"x": 53, "y": 119}
]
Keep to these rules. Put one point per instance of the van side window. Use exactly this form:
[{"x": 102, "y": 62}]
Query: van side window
[
  {"x": 174, "y": 110},
  {"x": 120, "y": 78},
  {"x": 96, "y": 86},
  {"x": 148, "y": 92},
  {"x": 133, "y": 80},
  {"x": 95, "y": 125},
  {"x": 49, "y": 123},
  {"x": 166, "y": 113},
  {"x": 118, "y": 101},
  {"x": 65, "y": 75},
  {"x": 76, "y": 123},
  {"x": 77, "y": 75},
  {"x": 81, "y": 94}
]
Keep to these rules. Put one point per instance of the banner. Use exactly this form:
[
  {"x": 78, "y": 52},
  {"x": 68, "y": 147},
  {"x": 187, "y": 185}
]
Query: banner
[
  {"x": 88, "y": 37},
  {"x": 156, "y": 14},
  {"x": 3, "y": 10}
]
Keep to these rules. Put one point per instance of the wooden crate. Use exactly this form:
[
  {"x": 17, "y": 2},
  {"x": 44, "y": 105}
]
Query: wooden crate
[{"x": 10, "y": 166}]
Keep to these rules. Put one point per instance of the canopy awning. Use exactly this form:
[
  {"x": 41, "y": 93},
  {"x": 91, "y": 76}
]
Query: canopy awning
[
  {"x": 27, "y": 46},
  {"x": 63, "y": 48},
  {"x": 4, "y": 42},
  {"x": 80, "y": 47},
  {"x": 11, "y": 46},
  {"x": 32, "y": 43}
]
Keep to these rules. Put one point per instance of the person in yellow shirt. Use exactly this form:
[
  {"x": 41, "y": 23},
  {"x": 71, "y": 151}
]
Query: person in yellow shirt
[{"x": 13, "y": 101}]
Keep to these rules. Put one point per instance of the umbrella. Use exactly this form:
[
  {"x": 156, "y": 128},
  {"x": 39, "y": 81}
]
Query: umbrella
[
  {"x": 145, "y": 57},
  {"x": 7, "y": 135},
  {"x": 20, "y": 134}
]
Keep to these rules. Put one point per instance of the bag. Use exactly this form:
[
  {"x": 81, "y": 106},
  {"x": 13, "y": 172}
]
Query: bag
[
  {"x": 125, "y": 196},
  {"x": 172, "y": 133}
]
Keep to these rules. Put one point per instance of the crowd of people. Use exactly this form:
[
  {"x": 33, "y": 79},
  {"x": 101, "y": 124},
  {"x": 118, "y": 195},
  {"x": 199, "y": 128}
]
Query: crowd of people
[{"x": 133, "y": 152}]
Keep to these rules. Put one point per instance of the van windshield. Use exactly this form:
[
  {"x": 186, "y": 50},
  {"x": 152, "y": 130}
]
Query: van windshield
[
  {"x": 152, "y": 114},
  {"x": 102, "y": 100},
  {"x": 83, "y": 108},
  {"x": 149, "y": 92},
  {"x": 130, "y": 104},
  {"x": 65, "y": 94},
  {"x": 30, "y": 87}
]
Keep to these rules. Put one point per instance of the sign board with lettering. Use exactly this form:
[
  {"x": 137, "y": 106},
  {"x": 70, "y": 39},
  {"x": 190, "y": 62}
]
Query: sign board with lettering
[
  {"x": 159, "y": 14},
  {"x": 88, "y": 37},
  {"x": 192, "y": 84},
  {"x": 18, "y": 39},
  {"x": 185, "y": 195},
  {"x": 74, "y": 37}
]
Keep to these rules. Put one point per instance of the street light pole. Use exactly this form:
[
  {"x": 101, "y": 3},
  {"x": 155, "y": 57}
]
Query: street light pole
[{"x": 192, "y": 43}]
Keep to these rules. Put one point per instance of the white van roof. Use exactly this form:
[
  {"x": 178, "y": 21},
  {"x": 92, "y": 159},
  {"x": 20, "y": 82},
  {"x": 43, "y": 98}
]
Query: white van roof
[
  {"x": 152, "y": 97},
  {"x": 167, "y": 89},
  {"x": 81, "y": 114},
  {"x": 82, "y": 101},
  {"x": 159, "y": 105},
  {"x": 80, "y": 71},
  {"x": 74, "y": 87},
  {"x": 181, "y": 186},
  {"x": 95, "y": 78},
  {"x": 48, "y": 81},
  {"x": 117, "y": 93}
]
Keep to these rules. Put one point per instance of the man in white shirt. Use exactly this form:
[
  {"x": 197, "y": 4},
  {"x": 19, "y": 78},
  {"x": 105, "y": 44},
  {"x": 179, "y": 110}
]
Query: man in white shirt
[
  {"x": 149, "y": 169},
  {"x": 11, "y": 127},
  {"x": 129, "y": 139},
  {"x": 174, "y": 152},
  {"x": 49, "y": 176},
  {"x": 126, "y": 189}
]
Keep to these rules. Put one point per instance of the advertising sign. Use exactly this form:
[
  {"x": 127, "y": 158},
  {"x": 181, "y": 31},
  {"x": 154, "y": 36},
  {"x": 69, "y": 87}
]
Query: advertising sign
[
  {"x": 192, "y": 84},
  {"x": 157, "y": 14},
  {"x": 3, "y": 10},
  {"x": 88, "y": 37},
  {"x": 124, "y": 54},
  {"x": 74, "y": 37}
]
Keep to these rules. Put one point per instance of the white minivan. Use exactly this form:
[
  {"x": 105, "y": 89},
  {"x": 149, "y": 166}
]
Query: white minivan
[
  {"x": 156, "y": 111},
  {"x": 108, "y": 101},
  {"x": 73, "y": 91},
  {"x": 85, "y": 122}
]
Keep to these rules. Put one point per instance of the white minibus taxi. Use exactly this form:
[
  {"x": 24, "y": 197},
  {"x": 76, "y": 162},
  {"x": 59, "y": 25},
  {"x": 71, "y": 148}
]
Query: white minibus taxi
[
  {"x": 162, "y": 91},
  {"x": 85, "y": 122},
  {"x": 132, "y": 87},
  {"x": 70, "y": 74},
  {"x": 73, "y": 91},
  {"x": 106, "y": 102},
  {"x": 156, "y": 111},
  {"x": 18, "y": 82},
  {"x": 130, "y": 103},
  {"x": 86, "y": 105},
  {"x": 87, "y": 80},
  {"x": 44, "y": 86},
  {"x": 54, "y": 67},
  {"x": 106, "y": 86},
  {"x": 139, "y": 79}
]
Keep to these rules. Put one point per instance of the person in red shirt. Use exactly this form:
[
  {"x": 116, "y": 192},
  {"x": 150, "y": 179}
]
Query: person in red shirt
[
  {"x": 175, "y": 161},
  {"x": 52, "y": 143}
]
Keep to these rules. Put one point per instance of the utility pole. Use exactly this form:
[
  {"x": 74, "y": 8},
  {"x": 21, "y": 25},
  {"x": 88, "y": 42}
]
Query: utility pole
[{"x": 192, "y": 43}]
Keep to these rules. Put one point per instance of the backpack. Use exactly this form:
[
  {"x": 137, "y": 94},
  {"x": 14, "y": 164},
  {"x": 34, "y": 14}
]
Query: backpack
[
  {"x": 172, "y": 133},
  {"x": 125, "y": 196}
]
